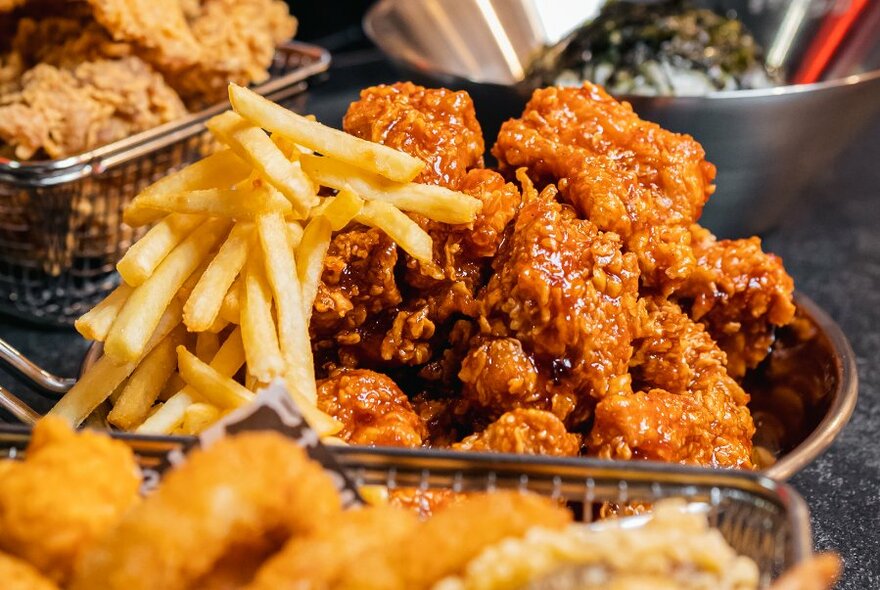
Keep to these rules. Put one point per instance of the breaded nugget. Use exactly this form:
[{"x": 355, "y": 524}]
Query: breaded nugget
[
  {"x": 16, "y": 574},
  {"x": 68, "y": 492},
  {"x": 240, "y": 490}
]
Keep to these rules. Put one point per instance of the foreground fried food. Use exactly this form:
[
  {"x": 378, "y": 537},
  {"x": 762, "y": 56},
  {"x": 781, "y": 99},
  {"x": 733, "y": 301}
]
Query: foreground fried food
[
  {"x": 69, "y": 491},
  {"x": 690, "y": 409},
  {"x": 316, "y": 561},
  {"x": 20, "y": 575},
  {"x": 257, "y": 486},
  {"x": 443, "y": 545},
  {"x": 526, "y": 432},
  {"x": 371, "y": 408},
  {"x": 626, "y": 175}
]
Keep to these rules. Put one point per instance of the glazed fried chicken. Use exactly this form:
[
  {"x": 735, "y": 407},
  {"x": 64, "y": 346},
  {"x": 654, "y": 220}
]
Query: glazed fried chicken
[
  {"x": 687, "y": 409},
  {"x": 371, "y": 408},
  {"x": 69, "y": 491},
  {"x": 565, "y": 291},
  {"x": 739, "y": 293},
  {"x": 526, "y": 432},
  {"x": 624, "y": 174}
]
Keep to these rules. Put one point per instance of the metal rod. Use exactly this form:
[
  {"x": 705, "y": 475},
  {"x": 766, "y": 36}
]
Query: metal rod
[
  {"x": 31, "y": 372},
  {"x": 22, "y": 412}
]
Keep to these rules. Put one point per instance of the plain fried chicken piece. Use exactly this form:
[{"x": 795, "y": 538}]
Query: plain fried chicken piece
[
  {"x": 20, "y": 575},
  {"x": 70, "y": 490},
  {"x": 524, "y": 432},
  {"x": 65, "y": 112},
  {"x": 568, "y": 294},
  {"x": 371, "y": 408},
  {"x": 624, "y": 174},
  {"x": 739, "y": 293},
  {"x": 689, "y": 410},
  {"x": 436, "y": 125}
]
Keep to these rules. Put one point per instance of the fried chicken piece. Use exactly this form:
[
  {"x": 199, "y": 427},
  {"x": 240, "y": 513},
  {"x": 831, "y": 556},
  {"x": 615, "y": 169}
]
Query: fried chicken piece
[
  {"x": 739, "y": 293},
  {"x": 689, "y": 410},
  {"x": 371, "y": 408},
  {"x": 567, "y": 293},
  {"x": 624, "y": 174},
  {"x": 70, "y": 490},
  {"x": 66, "y": 112},
  {"x": 436, "y": 125},
  {"x": 10, "y": 5},
  {"x": 316, "y": 561},
  {"x": 242, "y": 490},
  {"x": 445, "y": 544},
  {"x": 20, "y": 575},
  {"x": 64, "y": 42},
  {"x": 524, "y": 432},
  {"x": 424, "y": 503}
]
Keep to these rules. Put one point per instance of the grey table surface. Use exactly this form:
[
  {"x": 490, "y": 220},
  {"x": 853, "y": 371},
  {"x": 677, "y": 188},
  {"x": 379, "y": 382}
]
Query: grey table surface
[{"x": 830, "y": 243}]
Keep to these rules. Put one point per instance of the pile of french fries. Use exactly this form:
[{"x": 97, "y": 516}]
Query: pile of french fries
[{"x": 215, "y": 299}]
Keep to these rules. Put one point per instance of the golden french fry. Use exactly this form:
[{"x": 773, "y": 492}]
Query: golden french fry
[
  {"x": 323, "y": 424},
  {"x": 168, "y": 416},
  {"x": 294, "y": 233},
  {"x": 222, "y": 169},
  {"x": 230, "y": 309},
  {"x": 172, "y": 386},
  {"x": 95, "y": 324},
  {"x": 203, "y": 306},
  {"x": 258, "y": 329},
  {"x": 107, "y": 374},
  {"x": 400, "y": 228},
  {"x": 186, "y": 289},
  {"x": 310, "y": 256},
  {"x": 388, "y": 162},
  {"x": 146, "y": 254},
  {"x": 253, "y": 145},
  {"x": 146, "y": 382},
  {"x": 207, "y": 345},
  {"x": 139, "y": 316},
  {"x": 293, "y": 331},
  {"x": 239, "y": 204},
  {"x": 197, "y": 417},
  {"x": 209, "y": 382},
  {"x": 341, "y": 209},
  {"x": 218, "y": 326},
  {"x": 434, "y": 202}
]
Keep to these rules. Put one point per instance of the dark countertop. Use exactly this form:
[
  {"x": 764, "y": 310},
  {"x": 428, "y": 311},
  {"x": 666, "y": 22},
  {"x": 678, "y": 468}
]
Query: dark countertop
[{"x": 831, "y": 246}]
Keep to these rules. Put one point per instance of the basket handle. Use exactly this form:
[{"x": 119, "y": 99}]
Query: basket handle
[{"x": 26, "y": 369}]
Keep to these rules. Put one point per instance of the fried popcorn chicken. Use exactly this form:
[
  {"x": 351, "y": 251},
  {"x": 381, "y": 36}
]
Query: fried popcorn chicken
[
  {"x": 739, "y": 293},
  {"x": 424, "y": 503},
  {"x": 624, "y": 174},
  {"x": 689, "y": 410},
  {"x": 20, "y": 575},
  {"x": 70, "y": 490},
  {"x": 567, "y": 293},
  {"x": 526, "y": 432},
  {"x": 371, "y": 408},
  {"x": 241, "y": 490}
]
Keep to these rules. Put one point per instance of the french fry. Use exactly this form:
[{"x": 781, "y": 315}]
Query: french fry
[
  {"x": 203, "y": 306},
  {"x": 186, "y": 289},
  {"x": 323, "y": 424},
  {"x": 140, "y": 315},
  {"x": 146, "y": 382},
  {"x": 172, "y": 386},
  {"x": 258, "y": 329},
  {"x": 222, "y": 169},
  {"x": 253, "y": 145},
  {"x": 197, "y": 417},
  {"x": 390, "y": 163},
  {"x": 210, "y": 383},
  {"x": 400, "y": 228},
  {"x": 207, "y": 345},
  {"x": 169, "y": 415},
  {"x": 434, "y": 202},
  {"x": 218, "y": 326},
  {"x": 341, "y": 209},
  {"x": 310, "y": 256},
  {"x": 107, "y": 374},
  {"x": 239, "y": 204},
  {"x": 230, "y": 309},
  {"x": 95, "y": 324},
  {"x": 146, "y": 254},
  {"x": 293, "y": 331},
  {"x": 294, "y": 233}
]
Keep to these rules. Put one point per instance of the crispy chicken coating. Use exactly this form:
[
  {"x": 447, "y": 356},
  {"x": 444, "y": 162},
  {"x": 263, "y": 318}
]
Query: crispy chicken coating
[
  {"x": 436, "y": 125},
  {"x": 371, "y": 408},
  {"x": 70, "y": 490},
  {"x": 526, "y": 432},
  {"x": 424, "y": 503},
  {"x": 20, "y": 575},
  {"x": 624, "y": 174},
  {"x": 568, "y": 294},
  {"x": 689, "y": 410},
  {"x": 739, "y": 293},
  {"x": 444, "y": 544}
]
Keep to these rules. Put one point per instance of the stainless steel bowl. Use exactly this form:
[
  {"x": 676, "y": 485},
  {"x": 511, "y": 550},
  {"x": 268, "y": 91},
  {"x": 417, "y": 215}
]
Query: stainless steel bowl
[
  {"x": 819, "y": 362},
  {"x": 767, "y": 144}
]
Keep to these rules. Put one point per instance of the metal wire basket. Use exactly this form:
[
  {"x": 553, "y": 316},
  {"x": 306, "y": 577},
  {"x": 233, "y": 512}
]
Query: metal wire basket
[
  {"x": 759, "y": 517},
  {"x": 61, "y": 230}
]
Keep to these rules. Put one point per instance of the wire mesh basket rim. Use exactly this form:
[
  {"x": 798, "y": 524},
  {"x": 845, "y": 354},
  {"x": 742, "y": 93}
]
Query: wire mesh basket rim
[{"x": 43, "y": 173}]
